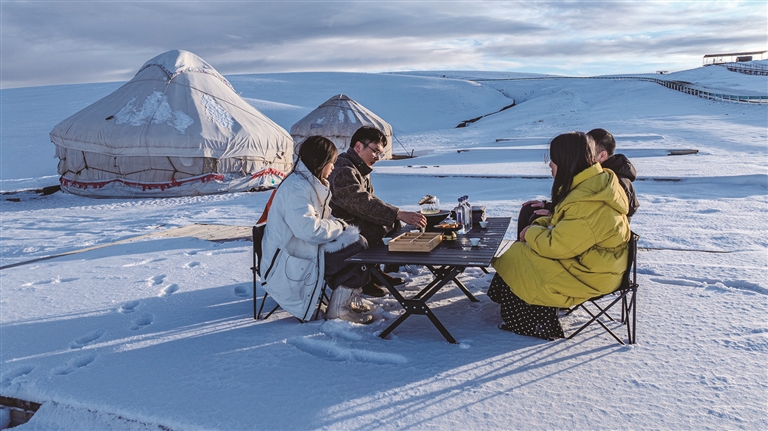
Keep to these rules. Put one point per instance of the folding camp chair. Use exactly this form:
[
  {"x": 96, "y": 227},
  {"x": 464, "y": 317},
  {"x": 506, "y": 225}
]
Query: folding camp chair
[
  {"x": 626, "y": 294},
  {"x": 258, "y": 235}
]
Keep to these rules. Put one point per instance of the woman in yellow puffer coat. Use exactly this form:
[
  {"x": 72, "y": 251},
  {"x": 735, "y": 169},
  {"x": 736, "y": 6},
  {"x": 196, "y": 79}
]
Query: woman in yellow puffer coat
[{"x": 577, "y": 253}]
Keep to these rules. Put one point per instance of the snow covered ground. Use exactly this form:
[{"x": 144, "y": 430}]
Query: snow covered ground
[{"x": 158, "y": 334}]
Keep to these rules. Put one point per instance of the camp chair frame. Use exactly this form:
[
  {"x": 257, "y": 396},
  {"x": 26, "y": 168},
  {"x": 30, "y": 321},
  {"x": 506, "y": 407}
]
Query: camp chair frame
[
  {"x": 258, "y": 235},
  {"x": 626, "y": 294}
]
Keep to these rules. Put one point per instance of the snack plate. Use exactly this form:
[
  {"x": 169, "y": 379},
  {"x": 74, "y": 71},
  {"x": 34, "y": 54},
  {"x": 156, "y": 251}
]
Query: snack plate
[{"x": 435, "y": 228}]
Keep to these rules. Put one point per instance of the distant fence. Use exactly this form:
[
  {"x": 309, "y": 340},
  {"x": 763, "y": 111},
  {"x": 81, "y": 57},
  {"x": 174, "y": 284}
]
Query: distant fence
[
  {"x": 686, "y": 88},
  {"x": 681, "y": 86},
  {"x": 748, "y": 68}
]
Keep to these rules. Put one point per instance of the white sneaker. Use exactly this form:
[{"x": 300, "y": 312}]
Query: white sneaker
[{"x": 340, "y": 306}]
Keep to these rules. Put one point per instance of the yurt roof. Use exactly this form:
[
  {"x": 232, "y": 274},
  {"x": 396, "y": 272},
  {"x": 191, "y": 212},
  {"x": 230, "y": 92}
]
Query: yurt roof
[
  {"x": 339, "y": 116},
  {"x": 176, "y": 105},
  {"x": 176, "y": 62}
]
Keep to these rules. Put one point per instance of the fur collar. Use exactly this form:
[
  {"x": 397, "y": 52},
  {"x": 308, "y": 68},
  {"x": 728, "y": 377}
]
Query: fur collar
[{"x": 350, "y": 235}]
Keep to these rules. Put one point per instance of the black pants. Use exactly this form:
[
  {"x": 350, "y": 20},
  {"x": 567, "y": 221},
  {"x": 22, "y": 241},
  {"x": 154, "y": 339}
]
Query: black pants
[
  {"x": 338, "y": 272},
  {"x": 523, "y": 318},
  {"x": 527, "y": 216}
]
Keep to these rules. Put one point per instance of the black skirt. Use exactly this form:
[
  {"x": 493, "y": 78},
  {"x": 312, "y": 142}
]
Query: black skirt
[{"x": 523, "y": 318}]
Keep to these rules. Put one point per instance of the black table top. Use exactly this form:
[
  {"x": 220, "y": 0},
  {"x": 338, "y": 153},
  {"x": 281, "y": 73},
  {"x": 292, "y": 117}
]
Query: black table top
[{"x": 458, "y": 252}]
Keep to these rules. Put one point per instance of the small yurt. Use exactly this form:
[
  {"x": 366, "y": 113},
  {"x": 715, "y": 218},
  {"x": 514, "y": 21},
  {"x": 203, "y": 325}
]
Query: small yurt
[
  {"x": 178, "y": 128},
  {"x": 337, "y": 119}
]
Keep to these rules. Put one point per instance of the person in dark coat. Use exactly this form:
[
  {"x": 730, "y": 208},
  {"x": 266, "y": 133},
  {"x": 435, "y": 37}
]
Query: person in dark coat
[
  {"x": 354, "y": 200},
  {"x": 605, "y": 145}
]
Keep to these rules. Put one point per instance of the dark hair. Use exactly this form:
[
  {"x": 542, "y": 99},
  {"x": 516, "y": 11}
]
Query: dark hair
[
  {"x": 316, "y": 152},
  {"x": 368, "y": 135},
  {"x": 603, "y": 140},
  {"x": 572, "y": 153}
]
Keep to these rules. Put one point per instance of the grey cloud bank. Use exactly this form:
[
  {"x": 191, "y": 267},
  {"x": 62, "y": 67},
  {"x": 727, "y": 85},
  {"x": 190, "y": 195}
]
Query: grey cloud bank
[{"x": 45, "y": 43}]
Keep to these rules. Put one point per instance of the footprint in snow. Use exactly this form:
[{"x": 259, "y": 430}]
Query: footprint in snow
[
  {"x": 168, "y": 290},
  {"x": 87, "y": 339},
  {"x": 156, "y": 280},
  {"x": 128, "y": 307},
  {"x": 50, "y": 281},
  {"x": 142, "y": 322},
  {"x": 244, "y": 291},
  {"x": 192, "y": 264},
  {"x": 10, "y": 376},
  {"x": 74, "y": 364}
]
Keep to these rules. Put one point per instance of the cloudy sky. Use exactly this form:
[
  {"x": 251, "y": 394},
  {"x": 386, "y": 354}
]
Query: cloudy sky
[{"x": 60, "y": 42}]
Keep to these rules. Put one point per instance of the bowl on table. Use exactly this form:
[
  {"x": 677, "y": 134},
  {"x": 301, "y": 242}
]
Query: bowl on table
[{"x": 434, "y": 219}]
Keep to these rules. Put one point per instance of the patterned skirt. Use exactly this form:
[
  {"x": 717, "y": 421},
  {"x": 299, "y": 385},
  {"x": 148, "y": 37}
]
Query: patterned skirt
[{"x": 523, "y": 318}]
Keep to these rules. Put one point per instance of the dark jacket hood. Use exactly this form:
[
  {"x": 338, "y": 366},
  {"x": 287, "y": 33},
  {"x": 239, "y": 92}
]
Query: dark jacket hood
[{"x": 620, "y": 165}]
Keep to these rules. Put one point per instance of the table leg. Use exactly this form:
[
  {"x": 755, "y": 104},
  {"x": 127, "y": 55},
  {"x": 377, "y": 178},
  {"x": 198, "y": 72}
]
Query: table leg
[
  {"x": 465, "y": 290},
  {"x": 418, "y": 304},
  {"x": 395, "y": 324},
  {"x": 441, "y": 272},
  {"x": 376, "y": 273},
  {"x": 440, "y": 327}
]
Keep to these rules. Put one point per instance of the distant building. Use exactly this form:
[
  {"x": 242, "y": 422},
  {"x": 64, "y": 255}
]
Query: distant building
[{"x": 735, "y": 57}]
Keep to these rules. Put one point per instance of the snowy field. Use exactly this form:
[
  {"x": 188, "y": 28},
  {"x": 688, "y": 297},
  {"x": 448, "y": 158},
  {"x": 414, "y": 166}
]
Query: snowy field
[{"x": 159, "y": 334}]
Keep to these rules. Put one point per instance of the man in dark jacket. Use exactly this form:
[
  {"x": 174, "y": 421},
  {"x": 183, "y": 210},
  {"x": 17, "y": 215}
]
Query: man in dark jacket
[
  {"x": 605, "y": 145},
  {"x": 353, "y": 199}
]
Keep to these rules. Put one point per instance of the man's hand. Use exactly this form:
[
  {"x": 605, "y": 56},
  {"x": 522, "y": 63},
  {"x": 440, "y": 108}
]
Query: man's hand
[
  {"x": 535, "y": 204},
  {"x": 412, "y": 218},
  {"x": 539, "y": 204}
]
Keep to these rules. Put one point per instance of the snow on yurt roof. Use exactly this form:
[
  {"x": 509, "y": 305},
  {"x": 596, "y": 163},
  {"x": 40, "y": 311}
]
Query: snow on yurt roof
[
  {"x": 176, "y": 105},
  {"x": 337, "y": 119}
]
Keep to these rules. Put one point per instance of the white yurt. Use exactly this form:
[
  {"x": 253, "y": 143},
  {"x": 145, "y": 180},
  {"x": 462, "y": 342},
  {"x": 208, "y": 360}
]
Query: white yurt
[
  {"x": 178, "y": 128},
  {"x": 337, "y": 119}
]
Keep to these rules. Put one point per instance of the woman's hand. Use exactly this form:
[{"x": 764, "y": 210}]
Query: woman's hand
[
  {"x": 522, "y": 233},
  {"x": 543, "y": 212}
]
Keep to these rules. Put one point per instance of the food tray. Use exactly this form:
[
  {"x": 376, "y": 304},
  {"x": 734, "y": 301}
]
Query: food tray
[{"x": 416, "y": 241}]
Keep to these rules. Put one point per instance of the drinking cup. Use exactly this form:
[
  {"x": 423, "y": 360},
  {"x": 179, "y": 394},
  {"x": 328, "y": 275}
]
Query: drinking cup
[
  {"x": 386, "y": 240},
  {"x": 475, "y": 241},
  {"x": 483, "y": 224}
]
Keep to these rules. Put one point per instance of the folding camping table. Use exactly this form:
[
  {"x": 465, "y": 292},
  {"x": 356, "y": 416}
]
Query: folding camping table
[{"x": 446, "y": 261}]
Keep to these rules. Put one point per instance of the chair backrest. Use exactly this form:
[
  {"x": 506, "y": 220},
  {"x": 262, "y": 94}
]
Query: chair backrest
[
  {"x": 258, "y": 235},
  {"x": 630, "y": 273}
]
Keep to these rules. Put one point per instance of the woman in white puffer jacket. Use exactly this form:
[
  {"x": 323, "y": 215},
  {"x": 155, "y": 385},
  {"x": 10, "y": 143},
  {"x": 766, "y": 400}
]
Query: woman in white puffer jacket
[{"x": 304, "y": 246}]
